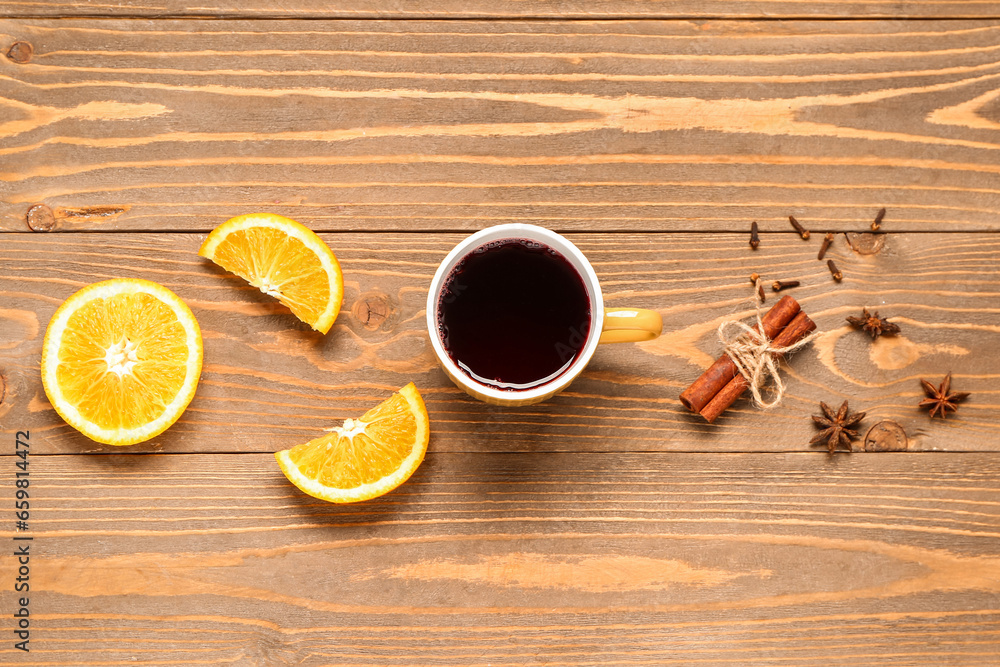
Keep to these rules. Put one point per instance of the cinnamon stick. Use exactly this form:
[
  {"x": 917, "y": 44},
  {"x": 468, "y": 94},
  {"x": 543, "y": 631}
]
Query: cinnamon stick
[
  {"x": 723, "y": 370},
  {"x": 797, "y": 329}
]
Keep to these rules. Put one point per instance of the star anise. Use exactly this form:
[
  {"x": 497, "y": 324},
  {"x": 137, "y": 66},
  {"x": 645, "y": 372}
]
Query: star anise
[
  {"x": 941, "y": 400},
  {"x": 837, "y": 425},
  {"x": 874, "y": 325}
]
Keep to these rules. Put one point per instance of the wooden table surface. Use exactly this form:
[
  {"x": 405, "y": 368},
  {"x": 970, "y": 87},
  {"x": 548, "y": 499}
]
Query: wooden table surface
[{"x": 607, "y": 526}]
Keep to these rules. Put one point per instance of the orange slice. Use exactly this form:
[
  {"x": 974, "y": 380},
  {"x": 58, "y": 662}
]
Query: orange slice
[
  {"x": 121, "y": 360},
  {"x": 283, "y": 259},
  {"x": 365, "y": 457}
]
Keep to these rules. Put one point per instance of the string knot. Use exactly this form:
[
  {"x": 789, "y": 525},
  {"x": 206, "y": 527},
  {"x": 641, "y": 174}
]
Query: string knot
[{"x": 755, "y": 355}]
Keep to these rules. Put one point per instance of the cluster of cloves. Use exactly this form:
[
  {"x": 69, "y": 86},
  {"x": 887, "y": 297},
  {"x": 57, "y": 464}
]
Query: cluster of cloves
[
  {"x": 824, "y": 246},
  {"x": 837, "y": 274}
]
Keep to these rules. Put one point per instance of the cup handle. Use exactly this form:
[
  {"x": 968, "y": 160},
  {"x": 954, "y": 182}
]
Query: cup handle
[{"x": 630, "y": 325}]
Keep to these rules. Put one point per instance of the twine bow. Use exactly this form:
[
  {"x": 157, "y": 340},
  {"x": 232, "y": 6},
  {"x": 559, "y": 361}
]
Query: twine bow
[{"x": 755, "y": 354}]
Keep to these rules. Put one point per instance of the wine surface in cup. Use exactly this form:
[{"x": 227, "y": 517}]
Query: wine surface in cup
[{"x": 514, "y": 314}]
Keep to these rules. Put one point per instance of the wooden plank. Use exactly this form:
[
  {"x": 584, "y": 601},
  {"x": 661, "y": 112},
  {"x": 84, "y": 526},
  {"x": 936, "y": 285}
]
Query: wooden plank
[
  {"x": 493, "y": 559},
  {"x": 269, "y": 382},
  {"x": 646, "y": 125},
  {"x": 510, "y": 9}
]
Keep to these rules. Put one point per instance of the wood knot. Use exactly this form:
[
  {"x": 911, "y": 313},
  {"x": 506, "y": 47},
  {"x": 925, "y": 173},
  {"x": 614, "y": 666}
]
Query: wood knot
[
  {"x": 886, "y": 436},
  {"x": 41, "y": 219},
  {"x": 21, "y": 52},
  {"x": 865, "y": 243},
  {"x": 374, "y": 310}
]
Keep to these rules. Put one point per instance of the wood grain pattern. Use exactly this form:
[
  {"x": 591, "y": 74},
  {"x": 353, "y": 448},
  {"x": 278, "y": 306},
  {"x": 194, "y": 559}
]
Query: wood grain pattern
[
  {"x": 507, "y": 9},
  {"x": 361, "y": 125},
  {"x": 269, "y": 382},
  {"x": 493, "y": 559},
  {"x": 605, "y": 527}
]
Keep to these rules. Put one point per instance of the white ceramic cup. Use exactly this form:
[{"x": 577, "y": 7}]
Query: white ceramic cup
[{"x": 619, "y": 325}]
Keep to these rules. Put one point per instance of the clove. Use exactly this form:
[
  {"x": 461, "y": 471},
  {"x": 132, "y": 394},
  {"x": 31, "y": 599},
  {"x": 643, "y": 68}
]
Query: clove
[
  {"x": 754, "y": 237},
  {"x": 878, "y": 220},
  {"x": 779, "y": 285},
  {"x": 803, "y": 232},
  {"x": 827, "y": 240},
  {"x": 754, "y": 277},
  {"x": 834, "y": 271}
]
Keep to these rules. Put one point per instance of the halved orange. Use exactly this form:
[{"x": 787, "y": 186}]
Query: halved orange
[
  {"x": 283, "y": 259},
  {"x": 365, "y": 457},
  {"x": 121, "y": 360}
]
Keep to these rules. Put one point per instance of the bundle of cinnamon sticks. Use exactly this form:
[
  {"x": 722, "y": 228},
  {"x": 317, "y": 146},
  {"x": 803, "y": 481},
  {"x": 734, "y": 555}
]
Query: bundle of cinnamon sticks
[{"x": 719, "y": 387}]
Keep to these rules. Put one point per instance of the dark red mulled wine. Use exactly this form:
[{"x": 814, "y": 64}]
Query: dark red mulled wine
[{"x": 514, "y": 314}]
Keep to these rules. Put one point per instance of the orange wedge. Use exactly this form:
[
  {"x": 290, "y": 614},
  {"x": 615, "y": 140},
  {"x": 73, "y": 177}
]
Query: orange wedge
[
  {"x": 283, "y": 259},
  {"x": 366, "y": 457},
  {"x": 121, "y": 360}
]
